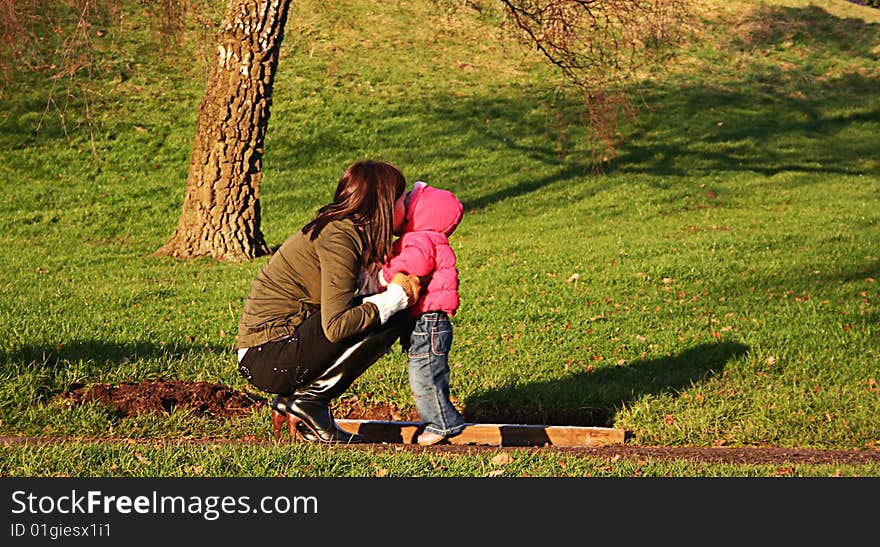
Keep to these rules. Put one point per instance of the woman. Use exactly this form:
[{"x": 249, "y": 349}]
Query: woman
[{"x": 305, "y": 334}]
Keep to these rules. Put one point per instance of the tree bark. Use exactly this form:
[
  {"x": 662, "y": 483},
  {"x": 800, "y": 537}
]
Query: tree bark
[{"x": 221, "y": 207}]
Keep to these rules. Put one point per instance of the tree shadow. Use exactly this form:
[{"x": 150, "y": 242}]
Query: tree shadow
[
  {"x": 791, "y": 135},
  {"x": 593, "y": 398},
  {"x": 58, "y": 356},
  {"x": 771, "y": 25},
  {"x": 768, "y": 118},
  {"x": 774, "y": 116},
  {"x": 734, "y": 126},
  {"x": 451, "y": 130}
]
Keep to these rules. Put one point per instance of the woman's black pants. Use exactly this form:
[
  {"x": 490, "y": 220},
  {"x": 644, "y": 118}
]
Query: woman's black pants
[{"x": 290, "y": 365}]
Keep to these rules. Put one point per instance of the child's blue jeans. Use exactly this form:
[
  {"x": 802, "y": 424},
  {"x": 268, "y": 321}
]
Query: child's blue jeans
[{"x": 428, "y": 357}]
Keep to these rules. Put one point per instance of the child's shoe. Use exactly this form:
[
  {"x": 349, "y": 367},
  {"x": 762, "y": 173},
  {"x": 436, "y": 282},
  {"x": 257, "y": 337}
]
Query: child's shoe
[{"x": 427, "y": 438}]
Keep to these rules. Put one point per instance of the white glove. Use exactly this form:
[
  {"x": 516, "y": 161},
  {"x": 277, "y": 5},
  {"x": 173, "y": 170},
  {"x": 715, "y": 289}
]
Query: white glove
[{"x": 389, "y": 302}]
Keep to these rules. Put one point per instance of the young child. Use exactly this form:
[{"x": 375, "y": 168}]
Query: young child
[{"x": 423, "y": 250}]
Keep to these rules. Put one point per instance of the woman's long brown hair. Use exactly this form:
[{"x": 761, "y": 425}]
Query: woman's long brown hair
[{"x": 366, "y": 194}]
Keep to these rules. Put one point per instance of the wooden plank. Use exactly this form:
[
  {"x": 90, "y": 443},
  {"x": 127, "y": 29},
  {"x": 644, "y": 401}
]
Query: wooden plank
[{"x": 490, "y": 434}]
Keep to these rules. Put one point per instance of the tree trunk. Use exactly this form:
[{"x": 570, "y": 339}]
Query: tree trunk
[{"x": 221, "y": 207}]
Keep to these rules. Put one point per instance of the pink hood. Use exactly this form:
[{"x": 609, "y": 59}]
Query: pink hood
[{"x": 432, "y": 209}]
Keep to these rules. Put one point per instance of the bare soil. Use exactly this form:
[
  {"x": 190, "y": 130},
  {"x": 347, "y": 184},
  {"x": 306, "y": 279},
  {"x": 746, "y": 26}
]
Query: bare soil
[
  {"x": 164, "y": 396},
  {"x": 206, "y": 399},
  {"x": 219, "y": 401}
]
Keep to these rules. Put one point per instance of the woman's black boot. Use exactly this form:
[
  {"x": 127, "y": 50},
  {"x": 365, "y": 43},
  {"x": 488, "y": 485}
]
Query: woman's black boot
[
  {"x": 317, "y": 423},
  {"x": 311, "y": 403},
  {"x": 281, "y": 418}
]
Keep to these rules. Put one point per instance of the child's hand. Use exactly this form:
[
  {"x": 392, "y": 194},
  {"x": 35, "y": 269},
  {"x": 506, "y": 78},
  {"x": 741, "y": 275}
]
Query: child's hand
[{"x": 411, "y": 286}]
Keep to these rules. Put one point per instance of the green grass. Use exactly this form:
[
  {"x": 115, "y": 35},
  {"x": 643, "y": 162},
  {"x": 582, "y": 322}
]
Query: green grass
[
  {"x": 122, "y": 459},
  {"x": 725, "y": 263}
]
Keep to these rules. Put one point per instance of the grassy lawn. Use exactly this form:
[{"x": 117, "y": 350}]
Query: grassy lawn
[{"x": 716, "y": 285}]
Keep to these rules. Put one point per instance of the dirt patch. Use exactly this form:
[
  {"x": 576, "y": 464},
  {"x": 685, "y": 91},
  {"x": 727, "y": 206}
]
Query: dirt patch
[
  {"x": 354, "y": 409},
  {"x": 206, "y": 399},
  {"x": 164, "y": 396}
]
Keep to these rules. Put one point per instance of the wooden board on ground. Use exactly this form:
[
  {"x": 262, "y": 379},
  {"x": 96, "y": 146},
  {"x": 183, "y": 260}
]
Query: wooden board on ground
[{"x": 490, "y": 434}]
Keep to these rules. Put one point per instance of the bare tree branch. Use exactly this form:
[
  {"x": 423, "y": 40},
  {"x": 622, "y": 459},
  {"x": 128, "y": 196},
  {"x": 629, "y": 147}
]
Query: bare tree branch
[{"x": 600, "y": 46}]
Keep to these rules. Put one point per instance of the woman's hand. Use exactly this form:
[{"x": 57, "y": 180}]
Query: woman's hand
[{"x": 411, "y": 286}]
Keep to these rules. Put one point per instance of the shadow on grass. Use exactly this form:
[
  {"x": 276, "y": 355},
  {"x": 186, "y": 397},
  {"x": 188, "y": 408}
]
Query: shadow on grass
[
  {"x": 753, "y": 124},
  {"x": 813, "y": 114},
  {"x": 61, "y": 355},
  {"x": 766, "y": 117},
  {"x": 775, "y": 26},
  {"x": 593, "y": 398}
]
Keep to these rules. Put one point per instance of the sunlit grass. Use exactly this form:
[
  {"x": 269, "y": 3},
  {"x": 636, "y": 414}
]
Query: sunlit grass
[{"x": 715, "y": 285}]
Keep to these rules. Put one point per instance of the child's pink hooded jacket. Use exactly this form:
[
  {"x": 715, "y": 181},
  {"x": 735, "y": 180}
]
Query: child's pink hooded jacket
[{"x": 423, "y": 249}]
